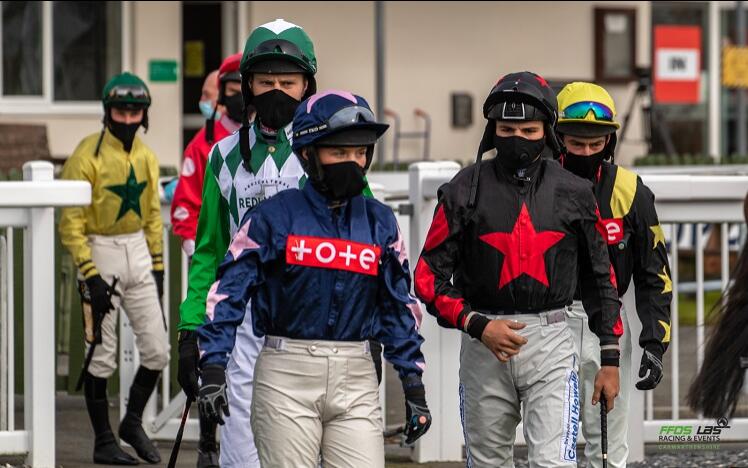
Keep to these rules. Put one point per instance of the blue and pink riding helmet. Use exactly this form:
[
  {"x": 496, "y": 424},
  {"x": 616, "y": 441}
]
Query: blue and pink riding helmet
[{"x": 335, "y": 118}]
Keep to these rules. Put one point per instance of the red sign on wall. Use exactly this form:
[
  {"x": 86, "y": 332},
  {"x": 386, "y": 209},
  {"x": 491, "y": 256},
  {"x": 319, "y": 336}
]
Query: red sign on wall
[{"x": 677, "y": 64}]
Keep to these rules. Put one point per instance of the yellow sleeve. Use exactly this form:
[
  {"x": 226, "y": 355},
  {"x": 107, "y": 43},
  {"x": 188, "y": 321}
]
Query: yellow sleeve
[
  {"x": 154, "y": 227},
  {"x": 73, "y": 221}
]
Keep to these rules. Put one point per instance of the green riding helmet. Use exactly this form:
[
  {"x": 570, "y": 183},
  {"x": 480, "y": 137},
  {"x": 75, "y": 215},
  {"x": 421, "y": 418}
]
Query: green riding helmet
[
  {"x": 278, "y": 47},
  {"x": 124, "y": 91}
]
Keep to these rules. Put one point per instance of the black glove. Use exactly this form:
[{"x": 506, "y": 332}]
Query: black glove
[
  {"x": 375, "y": 347},
  {"x": 417, "y": 415},
  {"x": 187, "y": 371},
  {"x": 652, "y": 361},
  {"x": 212, "y": 399},
  {"x": 100, "y": 294},
  {"x": 158, "y": 276}
]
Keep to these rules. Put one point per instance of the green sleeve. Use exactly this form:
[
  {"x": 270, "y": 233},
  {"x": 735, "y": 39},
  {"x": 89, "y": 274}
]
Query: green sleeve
[
  {"x": 212, "y": 242},
  {"x": 367, "y": 190}
]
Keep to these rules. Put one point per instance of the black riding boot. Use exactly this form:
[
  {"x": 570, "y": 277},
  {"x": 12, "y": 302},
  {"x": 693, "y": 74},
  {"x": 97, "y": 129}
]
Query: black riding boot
[
  {"x": 106, "y": 449},
  {"x": 131, "y": 427},
  {"x": 207, "y": 452}
]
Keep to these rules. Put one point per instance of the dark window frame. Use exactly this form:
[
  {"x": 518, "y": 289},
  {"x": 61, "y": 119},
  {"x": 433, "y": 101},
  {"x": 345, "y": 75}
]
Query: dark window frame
[{"x": 599, "y": 40}]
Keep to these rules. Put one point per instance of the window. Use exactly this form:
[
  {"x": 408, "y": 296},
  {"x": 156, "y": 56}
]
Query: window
[
  {"x": 615, "y": 45},
  {"x": 58, "y": 55},
  {"x": 87, "y": 45},
  {"x": 22, "y": 48}
]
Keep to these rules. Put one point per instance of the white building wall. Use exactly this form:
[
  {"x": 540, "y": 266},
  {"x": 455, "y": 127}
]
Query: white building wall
[{"x": 432, "y": 49}]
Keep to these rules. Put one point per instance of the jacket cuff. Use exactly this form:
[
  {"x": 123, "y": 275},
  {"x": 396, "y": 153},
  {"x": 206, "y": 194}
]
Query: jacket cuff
[
  {"x": 475, "y": 324},
  {"x": 157, "y": 262},
  {"x": 610, "y": 356},
  {"x": 87, "y": 269},
  {"x": 188, "y": 246}
]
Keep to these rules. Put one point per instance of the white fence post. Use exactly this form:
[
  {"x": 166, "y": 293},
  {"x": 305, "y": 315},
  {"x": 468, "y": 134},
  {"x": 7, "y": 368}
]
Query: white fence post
[
  {"x": 30, "y": 204},
  {"x": 39, "y": 330},
  {"x": 441, "y": 349}
]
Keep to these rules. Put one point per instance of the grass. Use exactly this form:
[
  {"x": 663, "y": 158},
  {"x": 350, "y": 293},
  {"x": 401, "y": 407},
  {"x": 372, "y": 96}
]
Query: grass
[{"x": 687, "y": 307}]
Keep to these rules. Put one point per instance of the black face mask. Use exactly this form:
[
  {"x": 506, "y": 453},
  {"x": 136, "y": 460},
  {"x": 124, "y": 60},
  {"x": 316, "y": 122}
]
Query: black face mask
[
  {"x": 584, "y": 166},
  {"x": 341, "y": 181},
  {"x": 515, "y": 152},
  {"x": 275, "y": 108},
  {"x": 124, "y": 132},
  {"x": 234, "y": 107}
]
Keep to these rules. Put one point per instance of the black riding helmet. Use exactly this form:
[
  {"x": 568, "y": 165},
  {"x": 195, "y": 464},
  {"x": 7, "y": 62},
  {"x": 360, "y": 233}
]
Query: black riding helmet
[{"x": 519, "y": 96}]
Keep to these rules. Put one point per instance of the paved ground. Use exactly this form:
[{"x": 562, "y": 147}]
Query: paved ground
[{"x": 75, "y": 437}]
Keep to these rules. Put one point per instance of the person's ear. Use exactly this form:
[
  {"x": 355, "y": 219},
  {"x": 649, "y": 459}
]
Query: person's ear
[
  {"x": 304, "y": 154},
  {"x": 306, "y": 85}
]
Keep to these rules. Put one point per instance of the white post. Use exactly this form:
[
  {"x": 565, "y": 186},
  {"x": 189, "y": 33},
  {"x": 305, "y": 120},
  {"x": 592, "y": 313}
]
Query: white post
[
  {"x": 441, "y": 349},
  {"x": 5, "y": 346},
  {"x": 242, "y": 24},
  {"x": 700, "y": 245},
  {"x": 39, "y": 329},
  {"x": 635, "y": 435}
]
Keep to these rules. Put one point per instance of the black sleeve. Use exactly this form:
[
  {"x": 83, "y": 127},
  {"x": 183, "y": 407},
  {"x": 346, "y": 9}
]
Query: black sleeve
[
  {"x": 597, "y": 279},
  {"x": 651, "y": 271},
  {"x": 439, "y": 257}
]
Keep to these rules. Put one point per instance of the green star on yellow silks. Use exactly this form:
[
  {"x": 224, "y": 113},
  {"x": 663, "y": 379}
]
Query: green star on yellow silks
[
  {"x": 668, "y": 282},
  {"x": 130, "y": 193},
  {"x": 659, "y": 235}
]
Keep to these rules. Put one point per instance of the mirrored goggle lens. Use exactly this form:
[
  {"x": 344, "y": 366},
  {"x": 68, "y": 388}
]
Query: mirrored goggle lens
[
  {"x": 278, "y": 45},
  {"x": 137, "y": 92},
  {"x": 579, "y": 110},
  {"x": 350, "y": 115}
]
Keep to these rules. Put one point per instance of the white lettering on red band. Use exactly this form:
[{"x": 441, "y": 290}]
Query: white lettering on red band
[
  {"x": 614, "y": 227},
  {"x": 336, "y": 254}
]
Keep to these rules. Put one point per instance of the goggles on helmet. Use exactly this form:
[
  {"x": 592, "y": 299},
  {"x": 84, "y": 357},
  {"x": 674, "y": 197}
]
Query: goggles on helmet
[
  {"x": 343, "y": 118},
  {"x": 579, "y": 110},
  {"x": 136, "y": 92},
  {"x": 278, "y": 45}
]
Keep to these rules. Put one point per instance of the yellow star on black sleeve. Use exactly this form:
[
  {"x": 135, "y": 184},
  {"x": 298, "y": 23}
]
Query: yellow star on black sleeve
[
  {"x": 659, "y": 235},
  {"x": 666, "y": 279},
  {"x": 130, "y": 193}
]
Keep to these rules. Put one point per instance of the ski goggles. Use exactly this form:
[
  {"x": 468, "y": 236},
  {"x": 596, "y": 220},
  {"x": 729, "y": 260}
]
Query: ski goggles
[
  {"x": 345, "y": 117},
  {"x": 136, "y": 92},
  {"x": 579, "y": 110}
]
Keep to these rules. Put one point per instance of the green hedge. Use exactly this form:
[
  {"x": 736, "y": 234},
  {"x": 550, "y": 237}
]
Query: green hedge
[{"x": 687, "y": 160}]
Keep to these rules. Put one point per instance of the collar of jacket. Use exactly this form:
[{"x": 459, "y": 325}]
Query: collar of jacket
[
  {"x": 530, "y": 174},
  {"x": 279, "y": 137},
  {"x": 320, "y": 202},
  {"x": 112, "y": 143}
]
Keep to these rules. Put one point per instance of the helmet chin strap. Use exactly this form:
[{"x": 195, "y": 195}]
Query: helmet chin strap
[{"x": 485, "y": 145}]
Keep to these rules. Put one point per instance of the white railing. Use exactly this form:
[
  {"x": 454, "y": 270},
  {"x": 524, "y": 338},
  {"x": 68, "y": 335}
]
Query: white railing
[
  {"x": 700, "y": 200},
  {"x": 30, "y": 205}
]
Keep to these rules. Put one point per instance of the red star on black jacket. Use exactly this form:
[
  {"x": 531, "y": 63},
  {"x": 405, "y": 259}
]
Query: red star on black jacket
[{"x": 523, "y": 249}]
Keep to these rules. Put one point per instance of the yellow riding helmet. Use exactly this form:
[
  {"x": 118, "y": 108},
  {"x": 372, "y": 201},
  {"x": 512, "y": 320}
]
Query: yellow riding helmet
[{"x": 586, "y": 109}]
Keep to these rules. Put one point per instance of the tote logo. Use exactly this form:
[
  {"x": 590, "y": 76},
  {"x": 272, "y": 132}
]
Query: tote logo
[{"x": 334, "y": 254}]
